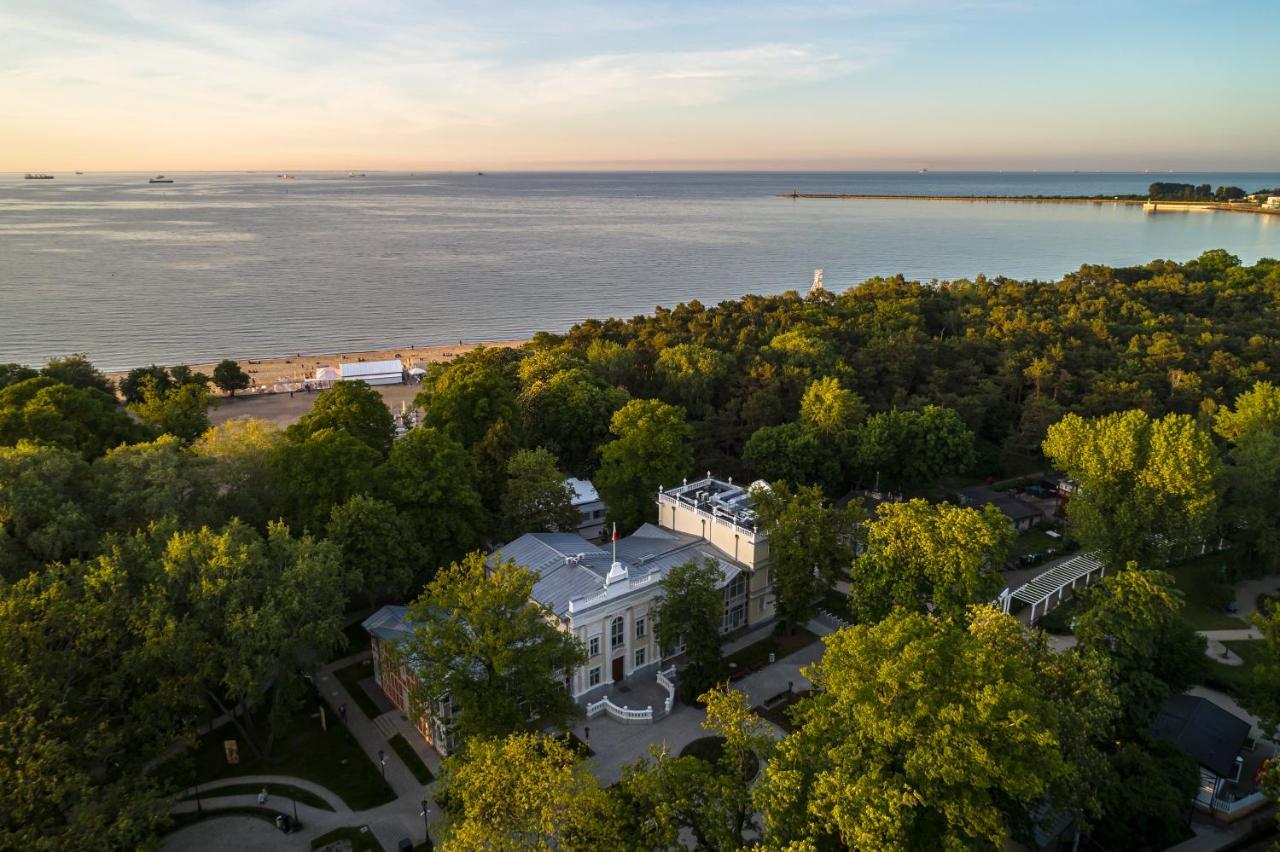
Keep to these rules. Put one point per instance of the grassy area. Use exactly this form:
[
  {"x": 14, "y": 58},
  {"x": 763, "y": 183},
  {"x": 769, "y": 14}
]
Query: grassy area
[
  {"x": 780, "y": 644},
  {"x": 711, "y": 749},
  {"x": 350, "y": 678},
  {"x": 278, "y": 790},
  {"x": 1234, "y": 679},
  {"x": 182, "y": 820},
  {"x": 361, "y": 838},
  {"x": 302, "y": 749},
  {"x": 780, "y": 714},
  {"x": 1206, "y": 593},
  {"x": 411, "y": 759},
  {"x": 1035, "y": 541}
]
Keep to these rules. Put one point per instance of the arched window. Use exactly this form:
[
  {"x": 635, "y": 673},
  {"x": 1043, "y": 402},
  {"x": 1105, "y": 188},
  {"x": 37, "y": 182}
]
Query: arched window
[{"x": 617, "y": 633}]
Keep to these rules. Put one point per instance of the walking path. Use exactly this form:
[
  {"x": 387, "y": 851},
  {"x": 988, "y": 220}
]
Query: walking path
[{"x": 389, "y": 823}]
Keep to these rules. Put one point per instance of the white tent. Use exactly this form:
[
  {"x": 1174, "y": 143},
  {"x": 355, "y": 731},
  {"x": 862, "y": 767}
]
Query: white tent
[
  {"x": 417, "y": 371},
  {"x": 327, "y": 374},
  {"x": 373, "y": 372}
]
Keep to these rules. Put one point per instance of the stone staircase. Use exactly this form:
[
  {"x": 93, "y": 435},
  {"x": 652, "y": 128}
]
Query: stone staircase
[{"x": 387, "y": 724}]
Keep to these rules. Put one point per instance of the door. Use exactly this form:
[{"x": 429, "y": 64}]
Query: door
[{"x": 619, "y": 663}]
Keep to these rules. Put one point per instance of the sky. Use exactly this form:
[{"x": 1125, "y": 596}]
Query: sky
[{"x": 167, "y": 85}]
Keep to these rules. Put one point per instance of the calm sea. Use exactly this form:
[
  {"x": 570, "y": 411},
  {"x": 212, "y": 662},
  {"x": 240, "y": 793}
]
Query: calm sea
[{"x": 243, "y": 265}]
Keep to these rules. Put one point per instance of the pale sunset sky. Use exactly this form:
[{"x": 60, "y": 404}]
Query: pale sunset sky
[{"x": 167, "y": 85}]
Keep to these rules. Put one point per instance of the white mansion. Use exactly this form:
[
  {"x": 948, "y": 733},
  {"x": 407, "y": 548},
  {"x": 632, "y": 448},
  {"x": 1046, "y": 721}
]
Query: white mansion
[{"x": 605, "y": 595}]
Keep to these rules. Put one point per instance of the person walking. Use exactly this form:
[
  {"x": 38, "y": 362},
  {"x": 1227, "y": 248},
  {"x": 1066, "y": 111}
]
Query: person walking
[{"x": 262, "y": 797}]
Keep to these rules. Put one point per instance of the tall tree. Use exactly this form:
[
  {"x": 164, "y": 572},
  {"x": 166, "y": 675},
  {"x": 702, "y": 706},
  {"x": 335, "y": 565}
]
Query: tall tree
[
  {"x": 1132, "y": 618},
  {"x": 921, "y": 556},
  {"x": 131, "y": 386},
  {"x": 250, "y": 617},
  {"x": 569, "y": 413},
  {"x": 136, "y": 484},
  {"x": 378, "y": 547},
  {"x": 84, "y": 707},
  {"x": 929, "y": 733},
  {"x": 1145, "y": 485},
  {"x": 538, "y": 498},
  {"x": 182, "y": 411},
  {"x": 312, "y": 475},
  {"x": 831, "y": 410},
  {"x": 77, "y": 371},
  {"x": 240, "y": 452},
  {"x": 501, "y": 656},
  {"x": 46, "y": 510},
  {"x": 431, "y": 479},
  {"x": 691, "y": 373},
  {"x": 356, "y": 409},
  {"x": 526, "y": 791},
  {"x": 466, "y": 396},
  {"x": 811, "y": 544},
  {"x": 689, "y": 613},
  {"x": 83, "y": 419},
  {"x": 660, "y": 800},
  {"x": 230, "y": 377},
  {"x": 650, "y": 448}
]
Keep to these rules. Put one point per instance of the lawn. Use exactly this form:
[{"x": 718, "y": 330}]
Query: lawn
[
  {"x": 1233, "y": 679},
  {"x": 350, "y": 678},
  {"x": 756, "y": 655},
  {"x": 182, "y": 820},
  {"x": 1205, "y": 593},
  {"x": 711, "y": 749},
  {"x": 1035, "y": 541},
  {"x": 411, "y": 759},
  {"x": 780, "y": 714},
  {"x": 361, "y": 838},
  {"x": 330, "y": 758},
  {"x": 276, "y": 790}
]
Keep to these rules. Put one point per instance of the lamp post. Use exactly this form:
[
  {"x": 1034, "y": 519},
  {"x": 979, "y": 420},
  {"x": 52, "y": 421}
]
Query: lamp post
[
  {"x": 426, "y": 826},
  {"x": 293, "y": 797},
  {"x": 194, "y": 775},
  {"x": 382, "y": 759}
]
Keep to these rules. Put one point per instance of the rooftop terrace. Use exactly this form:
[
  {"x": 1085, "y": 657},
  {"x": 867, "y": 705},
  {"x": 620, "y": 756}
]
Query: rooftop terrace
[{"x": 717, "y": 499}]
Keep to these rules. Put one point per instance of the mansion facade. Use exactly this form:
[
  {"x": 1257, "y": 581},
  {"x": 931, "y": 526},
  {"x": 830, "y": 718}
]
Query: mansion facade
[{"x": 605, "y": 595}]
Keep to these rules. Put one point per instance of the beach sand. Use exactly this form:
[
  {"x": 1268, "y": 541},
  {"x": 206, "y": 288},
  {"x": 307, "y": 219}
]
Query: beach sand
[
  {"x": 266, "y": 372},
  {"x": 284, "y": 408}
]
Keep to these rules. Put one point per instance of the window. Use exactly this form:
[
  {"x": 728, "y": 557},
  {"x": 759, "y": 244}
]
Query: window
[
  {"x": 617, "y": 632},
  {"x": 737, "y": 587},
  {"x": 593, "y": 677},
  {"x": 597, "y": 514},
  {"x": 639, "y": 657},
  {"x": 593, "y": 647},
  {"x": 640, "y": 627}
]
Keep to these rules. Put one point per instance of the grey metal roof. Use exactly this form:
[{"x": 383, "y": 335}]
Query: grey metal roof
[
  {"x": 1203, "y": 730},
  {"x": 570, "y": 568},
  {"x": 1011, "y": 506},
  {"x": 387, "y": 623}
]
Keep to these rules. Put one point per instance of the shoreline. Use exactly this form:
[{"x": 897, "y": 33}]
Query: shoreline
[
  {"x": 281, "y": 369},
  {"x": 1033, "y": 199}
]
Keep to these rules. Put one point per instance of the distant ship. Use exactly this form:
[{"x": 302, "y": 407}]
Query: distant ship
[
  {"x": 355, "y": 174},
  {"x": 479, "y": 174},
  {"x": 922, "y": 172},
  {"x": 30, "y": 176},
  {"x": 79, "y": 173},
  {"x": 287, "y": 177},
  {"x": 160, "y": 179}
]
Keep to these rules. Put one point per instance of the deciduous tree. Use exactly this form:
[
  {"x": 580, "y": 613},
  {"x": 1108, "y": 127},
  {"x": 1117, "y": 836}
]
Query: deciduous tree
[
  {"x": 500, "y": 656},
  {"x": 230, "y": 377},
  {"x": 538, "y": 499},
  {"x": 921, "y": 556},
  {"x": 689, "y": 612},
  {"x": 811, "y": 545},
  {"x": 356, "y": 409},
  {"x": 650, "y": 448}
]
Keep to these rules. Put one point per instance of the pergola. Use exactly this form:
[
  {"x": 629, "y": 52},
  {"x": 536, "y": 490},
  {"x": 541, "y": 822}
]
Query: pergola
[{"x": 1046, "y": 591}]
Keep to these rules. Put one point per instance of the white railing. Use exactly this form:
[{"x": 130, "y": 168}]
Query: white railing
[
  {"x": 1238, "y": 808},
  {"x": 622, "y": 714},
  {"x": 664, "y": 681}
]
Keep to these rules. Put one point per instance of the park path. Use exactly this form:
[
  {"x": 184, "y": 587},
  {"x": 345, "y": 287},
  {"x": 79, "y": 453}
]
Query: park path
[{"x": 399, "y": 818}]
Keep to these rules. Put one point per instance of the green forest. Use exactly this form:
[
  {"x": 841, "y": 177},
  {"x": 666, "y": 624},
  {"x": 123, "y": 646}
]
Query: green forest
[{"x": 157, "y": 572}]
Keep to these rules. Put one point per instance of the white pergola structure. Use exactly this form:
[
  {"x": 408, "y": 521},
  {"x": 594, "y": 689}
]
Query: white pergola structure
[{"x": 1046, "y": 591}]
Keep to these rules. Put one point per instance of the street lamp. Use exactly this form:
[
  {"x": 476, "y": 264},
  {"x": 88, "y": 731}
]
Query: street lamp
[
  {"x": 293, "y": 797},
  {"x": 382, "y": 759},
  {"x": 194, "y": 775},
  {"x": 426, "y": 827}
]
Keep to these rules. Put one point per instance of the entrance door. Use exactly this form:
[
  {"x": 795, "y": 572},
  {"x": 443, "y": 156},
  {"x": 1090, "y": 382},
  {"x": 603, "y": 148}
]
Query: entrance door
[{"x": 619, "y": 663}]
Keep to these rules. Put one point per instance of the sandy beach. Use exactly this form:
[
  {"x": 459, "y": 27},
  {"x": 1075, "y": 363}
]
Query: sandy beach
[{"x": 267, "y": 372}]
